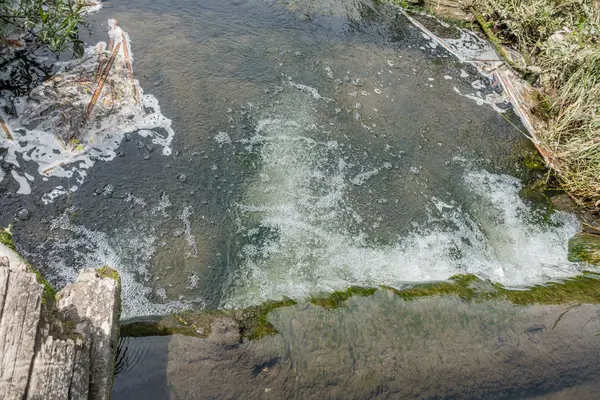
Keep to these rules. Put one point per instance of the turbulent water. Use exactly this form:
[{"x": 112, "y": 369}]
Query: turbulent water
[
  {"x": 310, "y": 224},
  {"x": 308, "y": 154}
]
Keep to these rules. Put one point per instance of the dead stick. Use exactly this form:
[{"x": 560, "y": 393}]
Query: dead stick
[
  {"x": 103, "y": 77},
  {"x": 496, "y": 42},
  {"x": 5, "y": 129},
  {"x": 100, "y": 63}
]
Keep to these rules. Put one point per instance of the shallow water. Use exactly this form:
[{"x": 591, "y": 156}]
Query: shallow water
[
  {"x": 317, "y": 145},
  {"x": 379, "y": 347}
]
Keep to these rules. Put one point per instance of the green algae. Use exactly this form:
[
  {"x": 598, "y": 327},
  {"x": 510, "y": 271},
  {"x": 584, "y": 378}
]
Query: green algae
[
  {"x": 585, "y": 247},
  {"x": 253, "y": 321},
  {"x": 457, "y": 285},
  {"x": 533, "y": 160},
  {"x": 336, "y": 299},
  {"x": 583, "y": 289}
]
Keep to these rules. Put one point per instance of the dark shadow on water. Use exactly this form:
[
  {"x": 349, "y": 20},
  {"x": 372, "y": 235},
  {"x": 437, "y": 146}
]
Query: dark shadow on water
[{"x": 141, "y": 369}]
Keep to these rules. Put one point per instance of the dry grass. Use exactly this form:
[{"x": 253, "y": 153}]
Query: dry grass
[{"x": 563, "y": 38}]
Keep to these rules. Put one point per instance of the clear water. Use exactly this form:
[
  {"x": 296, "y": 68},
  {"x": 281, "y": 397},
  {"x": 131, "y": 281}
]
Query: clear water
[{"x": 324, "y": 144}]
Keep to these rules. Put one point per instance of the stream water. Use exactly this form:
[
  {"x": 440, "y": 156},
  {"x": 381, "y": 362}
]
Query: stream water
[
  {"x": 313, "y": 151},
  {"x": 317, "y": 145}
]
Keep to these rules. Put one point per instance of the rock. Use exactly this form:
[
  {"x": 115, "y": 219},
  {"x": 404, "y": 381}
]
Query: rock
[
  {"x": 181, "y": 178},
  {"x": 20, "y": 302},
  {"x": 96, "y": 304}
]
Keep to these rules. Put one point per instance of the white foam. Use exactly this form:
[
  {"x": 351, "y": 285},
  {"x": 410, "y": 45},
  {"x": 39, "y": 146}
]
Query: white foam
[
  {"x": 103, "y": 133},
  {"x": 24, "y": 187},
  {"x": 129, "y": 252},
  {"x": 222, "y": 138},
  {"x": 185, "y": 215}
]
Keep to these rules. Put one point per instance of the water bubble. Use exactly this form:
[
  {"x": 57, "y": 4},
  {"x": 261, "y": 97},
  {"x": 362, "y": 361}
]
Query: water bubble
[
  {"x": 181, "y": 178},
  {"x": 23, "y": 214},
  {"x": 357, "y": 82}
]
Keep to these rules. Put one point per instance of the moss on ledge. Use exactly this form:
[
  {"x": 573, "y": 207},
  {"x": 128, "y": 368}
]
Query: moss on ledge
[
  {"x": 108, "y": 272},
  {"x": 49, "y": 293},
  {"x": 253, "y": 322},
  {"x": 336, "y": 299},
  {"x": 585, "y": 247}
]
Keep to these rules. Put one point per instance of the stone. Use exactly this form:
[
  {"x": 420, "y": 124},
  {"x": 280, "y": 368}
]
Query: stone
[
  {"x": 21, "y": 296},
  {"x": 95, "y": 301},
  {"x": 62, "y": 348}
]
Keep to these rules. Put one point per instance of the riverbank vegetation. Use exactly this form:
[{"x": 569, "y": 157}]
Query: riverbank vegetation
[
  {"x": 49, "y": 22},
  {"x": 562, "y": 39},
  {"x": 559, "y": 46}
]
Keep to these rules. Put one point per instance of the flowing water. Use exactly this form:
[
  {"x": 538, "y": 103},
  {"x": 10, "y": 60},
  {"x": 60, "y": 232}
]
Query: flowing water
[
  {"x": 316, "y": 146},
  {"x": 312, "y": 151}
]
